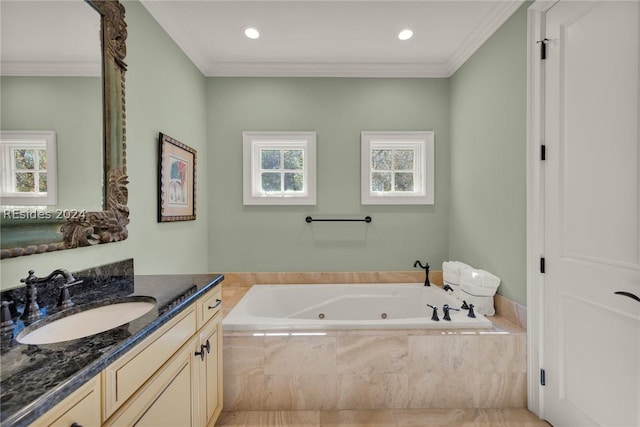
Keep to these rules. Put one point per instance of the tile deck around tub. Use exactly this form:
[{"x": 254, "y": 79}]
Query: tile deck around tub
[{"x": 383, "y": 418}]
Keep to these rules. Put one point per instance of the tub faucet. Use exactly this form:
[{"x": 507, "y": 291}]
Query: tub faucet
[
  {"x": 445, "y": 309},
  {"x": 426, "y": 270}
]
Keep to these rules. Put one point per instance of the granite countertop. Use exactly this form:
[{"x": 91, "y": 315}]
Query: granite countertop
[{"x": 34, "y": 378}]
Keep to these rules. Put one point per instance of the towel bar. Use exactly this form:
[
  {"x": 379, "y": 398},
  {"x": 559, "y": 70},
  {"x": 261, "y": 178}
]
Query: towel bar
[{"x": 366, "y": 219}]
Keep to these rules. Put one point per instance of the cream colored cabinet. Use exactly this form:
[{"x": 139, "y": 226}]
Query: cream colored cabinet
[
  {"x": 123, "y": 378},
  {"x": 210, "y": 372},
  {"x": 167, "y": 398},
  {"x": 81, "y": 408},
  {"x": 187, "y": 388},
  {"x": 172, "y": 378},
  {"x": 209, "y": 305}
]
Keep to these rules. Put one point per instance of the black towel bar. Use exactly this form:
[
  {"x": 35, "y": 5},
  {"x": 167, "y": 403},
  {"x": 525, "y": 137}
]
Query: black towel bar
[{"x": 366, "y": 219}]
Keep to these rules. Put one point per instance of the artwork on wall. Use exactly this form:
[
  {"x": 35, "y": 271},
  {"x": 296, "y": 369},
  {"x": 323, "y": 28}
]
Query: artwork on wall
[{"x": 176, "y": 181}]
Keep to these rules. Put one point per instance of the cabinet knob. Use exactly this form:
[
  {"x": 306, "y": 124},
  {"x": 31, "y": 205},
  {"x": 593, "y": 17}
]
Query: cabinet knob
[
  {"x": 208, "y": 347},
  {"x": 218, "y": 302},
  {"x": 75, "y": 425},
  {"x": 201, "y": 352}
]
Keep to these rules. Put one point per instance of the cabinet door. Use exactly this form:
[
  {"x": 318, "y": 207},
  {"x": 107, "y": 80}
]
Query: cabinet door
[
  {"x": 210, "y": 377},
  {"x": 81, "y": 408},
  {"x": 126, "y": 375},
  {"x": 168, "y": 398}
]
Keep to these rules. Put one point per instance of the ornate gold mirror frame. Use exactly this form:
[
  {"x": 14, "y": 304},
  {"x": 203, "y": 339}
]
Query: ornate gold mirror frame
[{"x": 110, "y": 225}]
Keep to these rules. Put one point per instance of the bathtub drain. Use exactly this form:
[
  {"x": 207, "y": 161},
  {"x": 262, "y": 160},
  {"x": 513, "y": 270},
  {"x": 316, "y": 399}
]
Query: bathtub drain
[
  {"x": 321, "y": 315},
  {"x": 383, "y": 315}
]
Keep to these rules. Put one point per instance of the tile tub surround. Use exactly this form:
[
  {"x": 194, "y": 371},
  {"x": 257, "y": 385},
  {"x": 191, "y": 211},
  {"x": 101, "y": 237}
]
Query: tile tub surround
[
  {"x": 511, "y": 310},
  {"x": 33, "y": 378},
  {"x": 376, "y": 369},
  {"x": 370, "y": 369}
]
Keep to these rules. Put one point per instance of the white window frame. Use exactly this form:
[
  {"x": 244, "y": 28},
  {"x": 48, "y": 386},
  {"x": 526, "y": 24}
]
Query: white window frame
[
  {"x": 10, "y": 140},
  {"x": 422, "y": 143},
  {"x": 253, "y": 143}
]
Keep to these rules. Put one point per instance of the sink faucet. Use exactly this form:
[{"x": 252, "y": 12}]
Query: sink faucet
[{"x": 32, "y": 309}]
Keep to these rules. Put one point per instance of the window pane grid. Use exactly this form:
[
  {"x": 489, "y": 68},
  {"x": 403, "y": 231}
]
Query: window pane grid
[
  {"x": 282, "y": 170},
  {"x": 29, "y": 170},
  {"x": 393, "y": 170}
]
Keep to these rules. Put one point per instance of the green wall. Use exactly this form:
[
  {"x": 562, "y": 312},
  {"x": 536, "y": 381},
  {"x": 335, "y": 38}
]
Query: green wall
[
  {"x": 276, "y": 238},
  {"x": 478, "y": 116},
  {"x": 165, "y": 93},
  {"x": 488, "y": 154}
]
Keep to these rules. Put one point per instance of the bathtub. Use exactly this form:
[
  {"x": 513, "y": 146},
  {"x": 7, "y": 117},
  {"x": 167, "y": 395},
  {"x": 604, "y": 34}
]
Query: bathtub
[{"x": 347, "y": 306}]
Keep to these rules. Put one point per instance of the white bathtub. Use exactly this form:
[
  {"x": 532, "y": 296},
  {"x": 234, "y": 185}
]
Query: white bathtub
[{"x": 350, "y": 306}]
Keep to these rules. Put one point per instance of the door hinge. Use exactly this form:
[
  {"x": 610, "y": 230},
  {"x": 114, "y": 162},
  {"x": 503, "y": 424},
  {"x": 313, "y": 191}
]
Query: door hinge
[
  {"x": 543, "y": 377},
  {"x": 543, "y": 48},
  {"x": 543, "y": 152},
  {"x": 542, "y": 265}
]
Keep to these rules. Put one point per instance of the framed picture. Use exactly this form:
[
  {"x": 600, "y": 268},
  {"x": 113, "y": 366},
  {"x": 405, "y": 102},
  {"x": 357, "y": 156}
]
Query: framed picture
[{"x": 176, "y": 181}]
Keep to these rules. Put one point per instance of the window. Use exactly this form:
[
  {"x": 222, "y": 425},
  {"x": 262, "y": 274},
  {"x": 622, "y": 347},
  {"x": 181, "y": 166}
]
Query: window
[
  {"x": 397, "y": 168},
  {"x": 279, "y": 168},
  {"x": 28, "y": 162}
]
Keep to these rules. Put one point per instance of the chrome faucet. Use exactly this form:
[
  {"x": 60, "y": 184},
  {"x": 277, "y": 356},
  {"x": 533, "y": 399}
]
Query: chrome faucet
[{"x": 32, "y": 309}]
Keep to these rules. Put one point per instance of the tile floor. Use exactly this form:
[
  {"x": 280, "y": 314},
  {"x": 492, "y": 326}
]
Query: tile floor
[{"x": 383, "y": 418}]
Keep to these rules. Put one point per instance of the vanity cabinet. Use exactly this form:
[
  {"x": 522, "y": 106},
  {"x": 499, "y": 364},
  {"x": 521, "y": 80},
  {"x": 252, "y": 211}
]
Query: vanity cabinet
[
  {"x": 167, "y": 398},
  {"x": 210, "y": 372},
  {"x": 172, "y": 378},
  {"x": 187, "y": 388},
  {"x": 127, "y": 375},
  {"x": 81, "y": 408}
]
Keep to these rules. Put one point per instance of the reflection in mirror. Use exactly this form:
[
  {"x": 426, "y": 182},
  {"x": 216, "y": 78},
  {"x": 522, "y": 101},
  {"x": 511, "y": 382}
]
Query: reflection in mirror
[
  {"x": 72, "y": 83},
  {"x": 29, "y": 168},
  {"x": 51, "y": 80}
]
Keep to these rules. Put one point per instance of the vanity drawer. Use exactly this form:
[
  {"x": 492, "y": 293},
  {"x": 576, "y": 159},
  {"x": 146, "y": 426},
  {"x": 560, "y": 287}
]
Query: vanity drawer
[
  {"x": 80, "y": 408},
  {"x": 123, "y": 377},
  {"x": 209, "y": 304}
]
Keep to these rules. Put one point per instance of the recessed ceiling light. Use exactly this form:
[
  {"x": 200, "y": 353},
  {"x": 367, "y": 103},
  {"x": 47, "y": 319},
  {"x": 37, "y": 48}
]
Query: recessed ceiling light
[
  {"x": 405, "y": 34},
  {"x": 252, "y": 33}
]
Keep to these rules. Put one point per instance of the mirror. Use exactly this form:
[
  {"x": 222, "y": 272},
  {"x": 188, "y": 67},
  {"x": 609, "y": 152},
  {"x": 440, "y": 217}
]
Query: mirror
[{"x": 102, "y": 215}]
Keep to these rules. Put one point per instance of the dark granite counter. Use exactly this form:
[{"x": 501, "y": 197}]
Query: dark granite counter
[{"x": 34, "y": 378}]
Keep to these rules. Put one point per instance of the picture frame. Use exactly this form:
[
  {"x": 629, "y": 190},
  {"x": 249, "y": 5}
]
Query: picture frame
[{"x": 176, "y": 181}]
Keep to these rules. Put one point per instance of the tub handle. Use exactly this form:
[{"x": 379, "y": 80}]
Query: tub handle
[
  {"x": 218, "y": 302},
  {"x": 434, "y": 316},
  {"x": 628, "y": 295}
]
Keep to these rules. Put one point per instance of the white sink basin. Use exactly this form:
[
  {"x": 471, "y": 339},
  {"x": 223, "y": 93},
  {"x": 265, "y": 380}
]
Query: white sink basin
[{"x": 86, "y": 322}]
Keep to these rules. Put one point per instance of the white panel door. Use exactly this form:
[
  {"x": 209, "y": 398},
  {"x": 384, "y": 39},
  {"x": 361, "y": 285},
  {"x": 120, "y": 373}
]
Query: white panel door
[{"x": 591, "y": 345}]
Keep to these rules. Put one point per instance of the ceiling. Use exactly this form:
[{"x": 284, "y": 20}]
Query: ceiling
[
  {"x": 349, "y": 38},
  {"x": 49, "y": 38},
  {"x": 332, "y": 37}
]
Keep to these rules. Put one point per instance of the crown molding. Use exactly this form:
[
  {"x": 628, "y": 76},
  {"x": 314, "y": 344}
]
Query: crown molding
[
  {"x": 324, "y": 69},
  {"x": 51, "y": 68},
  {"x": 500, "y": 12}
]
